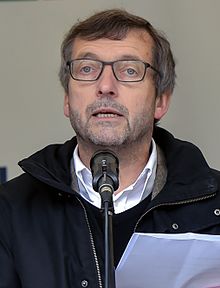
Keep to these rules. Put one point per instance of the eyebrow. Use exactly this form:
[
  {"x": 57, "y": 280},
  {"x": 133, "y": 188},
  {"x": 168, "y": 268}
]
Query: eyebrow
[{"x": 88, "y": 55}]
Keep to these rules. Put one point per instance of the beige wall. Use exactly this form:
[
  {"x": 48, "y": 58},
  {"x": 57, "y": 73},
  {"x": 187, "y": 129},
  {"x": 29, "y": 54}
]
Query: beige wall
[{"x": 30, "y": 95}]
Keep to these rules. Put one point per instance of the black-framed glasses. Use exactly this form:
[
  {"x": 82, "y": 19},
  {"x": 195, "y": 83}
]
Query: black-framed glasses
[{"x": 123, "y": 70}]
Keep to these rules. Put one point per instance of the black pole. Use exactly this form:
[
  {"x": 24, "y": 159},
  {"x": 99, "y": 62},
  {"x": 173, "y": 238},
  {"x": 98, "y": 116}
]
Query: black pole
[
  {"x": 109, "y": 265},
  {"x": 107, "y": 206}
]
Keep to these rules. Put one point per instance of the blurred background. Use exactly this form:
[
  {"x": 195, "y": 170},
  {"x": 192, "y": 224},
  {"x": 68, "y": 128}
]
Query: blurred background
[{"x": 31, "y": 98}]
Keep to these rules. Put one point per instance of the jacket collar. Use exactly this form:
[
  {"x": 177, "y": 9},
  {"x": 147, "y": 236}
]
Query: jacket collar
[
  {"x": 188, "y": 174},
  {"x": 51, "y": 165}
]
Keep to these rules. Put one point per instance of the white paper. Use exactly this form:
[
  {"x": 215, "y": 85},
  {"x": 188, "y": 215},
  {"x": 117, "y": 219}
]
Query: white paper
[{"x": 170, "y": 261}]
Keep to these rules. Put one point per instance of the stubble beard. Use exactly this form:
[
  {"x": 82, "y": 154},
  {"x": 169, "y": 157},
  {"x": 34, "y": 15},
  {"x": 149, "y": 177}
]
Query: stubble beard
[{"x": 106, "y": 134}]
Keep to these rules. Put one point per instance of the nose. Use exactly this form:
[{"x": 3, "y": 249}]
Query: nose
[{"x": 107, "y": 83}]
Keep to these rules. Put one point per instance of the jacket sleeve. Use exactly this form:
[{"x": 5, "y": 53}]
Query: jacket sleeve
[{"x": 8, "y": 275}]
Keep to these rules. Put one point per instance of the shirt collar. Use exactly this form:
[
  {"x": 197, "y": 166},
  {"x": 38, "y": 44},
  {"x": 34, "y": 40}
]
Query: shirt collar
[{"x": 130, "y": 196}]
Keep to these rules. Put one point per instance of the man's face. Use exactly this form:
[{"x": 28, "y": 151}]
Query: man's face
[{"x": 108, "y": 112}]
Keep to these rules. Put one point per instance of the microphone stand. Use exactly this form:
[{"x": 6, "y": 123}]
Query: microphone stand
[
  {"x": 104, "y": 167},
  {"x": 106, "y": 192}
]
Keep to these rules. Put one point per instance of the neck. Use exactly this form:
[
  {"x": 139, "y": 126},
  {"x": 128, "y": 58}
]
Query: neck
[{"x": 132, "y": 159}]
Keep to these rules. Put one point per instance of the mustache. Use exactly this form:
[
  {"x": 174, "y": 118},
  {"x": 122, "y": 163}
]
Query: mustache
[{"x": 106, "y": 103}]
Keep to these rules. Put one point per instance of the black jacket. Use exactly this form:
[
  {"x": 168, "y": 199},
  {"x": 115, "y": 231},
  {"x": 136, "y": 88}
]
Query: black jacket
[{"x": 46, "y": 238}]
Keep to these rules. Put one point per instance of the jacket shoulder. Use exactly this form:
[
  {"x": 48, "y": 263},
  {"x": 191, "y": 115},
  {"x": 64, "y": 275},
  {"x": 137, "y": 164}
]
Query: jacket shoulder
[
  {"x": 19, "y": 188},
  {"x": 216, "y": 174}
]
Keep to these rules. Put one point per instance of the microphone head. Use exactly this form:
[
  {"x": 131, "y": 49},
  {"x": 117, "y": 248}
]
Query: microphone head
[{"x": 105, "y": 169}]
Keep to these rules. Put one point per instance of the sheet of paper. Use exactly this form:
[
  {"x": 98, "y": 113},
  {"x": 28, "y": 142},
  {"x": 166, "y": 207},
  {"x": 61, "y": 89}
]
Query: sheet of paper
[{"x": 170, "y": 261}]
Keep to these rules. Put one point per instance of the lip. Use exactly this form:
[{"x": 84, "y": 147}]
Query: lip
[{"x": 106, "y": 111}]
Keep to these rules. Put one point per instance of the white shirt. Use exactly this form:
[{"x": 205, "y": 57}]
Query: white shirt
[{"x": 127, "y": 198}]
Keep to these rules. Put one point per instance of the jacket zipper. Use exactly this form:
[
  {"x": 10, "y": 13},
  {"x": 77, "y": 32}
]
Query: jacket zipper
[
  {"x": 173, "y": 203},
  {"x": 93, "y": 245}
]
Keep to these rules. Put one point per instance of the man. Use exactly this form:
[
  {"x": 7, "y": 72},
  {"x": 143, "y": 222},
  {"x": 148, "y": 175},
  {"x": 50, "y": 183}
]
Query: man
[{"x": 118, "y": 75}]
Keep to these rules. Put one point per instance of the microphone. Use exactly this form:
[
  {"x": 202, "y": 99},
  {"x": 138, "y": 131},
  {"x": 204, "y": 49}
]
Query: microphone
[{"x": 104, "y": 166}]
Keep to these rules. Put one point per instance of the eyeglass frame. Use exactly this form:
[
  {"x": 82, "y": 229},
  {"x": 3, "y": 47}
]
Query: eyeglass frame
[{"x": 111, "y": 63}]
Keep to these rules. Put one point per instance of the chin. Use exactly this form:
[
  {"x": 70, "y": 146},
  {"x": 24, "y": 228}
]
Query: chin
[{"x": 107, "y": 141}]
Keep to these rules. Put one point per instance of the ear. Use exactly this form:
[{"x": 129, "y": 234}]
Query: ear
[
  {"x": 162, "y": 105},
  {"x": 66, "y": 105}
]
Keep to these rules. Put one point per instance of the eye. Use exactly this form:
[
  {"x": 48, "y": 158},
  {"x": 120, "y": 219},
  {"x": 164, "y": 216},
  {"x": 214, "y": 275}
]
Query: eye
[
  {"x": 131, "y": 71},
  {"x": 86, "y": 69}
]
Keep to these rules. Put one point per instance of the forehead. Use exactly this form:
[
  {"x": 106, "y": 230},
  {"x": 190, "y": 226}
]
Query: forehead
[{"x": 137, "y": 44}]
